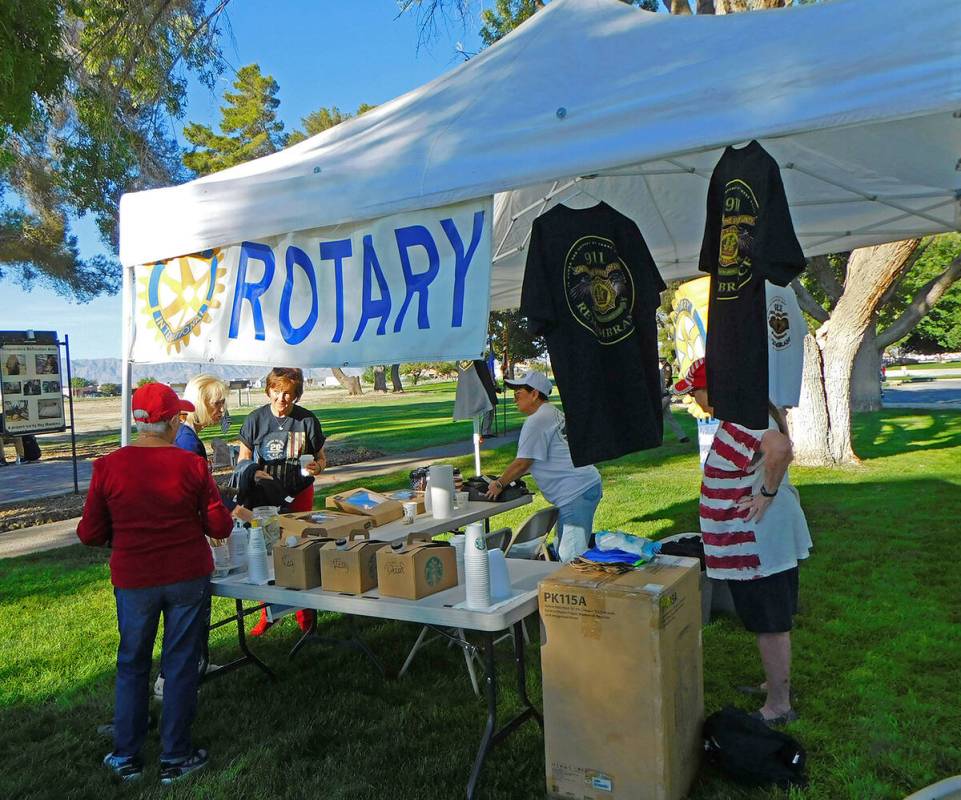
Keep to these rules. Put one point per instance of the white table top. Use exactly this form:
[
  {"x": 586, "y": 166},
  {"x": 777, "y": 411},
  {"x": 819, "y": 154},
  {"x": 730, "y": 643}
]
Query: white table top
[
  {"x": 426, "y": 525},
  {"x": 436, "y": 609}
]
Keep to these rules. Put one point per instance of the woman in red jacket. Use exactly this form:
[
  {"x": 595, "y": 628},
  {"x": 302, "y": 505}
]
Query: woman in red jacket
[{"x": 154, "y": 504}]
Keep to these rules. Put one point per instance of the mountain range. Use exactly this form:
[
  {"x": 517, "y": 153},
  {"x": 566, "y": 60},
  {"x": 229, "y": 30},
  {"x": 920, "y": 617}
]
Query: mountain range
[{"x": 107, "y": 370}]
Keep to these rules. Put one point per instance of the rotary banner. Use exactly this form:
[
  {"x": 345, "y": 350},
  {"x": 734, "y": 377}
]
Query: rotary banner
[{"x": 390, "y": 290}]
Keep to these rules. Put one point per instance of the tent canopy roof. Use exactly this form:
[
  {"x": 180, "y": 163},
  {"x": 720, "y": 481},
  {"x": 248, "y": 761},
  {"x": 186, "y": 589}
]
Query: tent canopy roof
[{"x": 859, "y": 101}]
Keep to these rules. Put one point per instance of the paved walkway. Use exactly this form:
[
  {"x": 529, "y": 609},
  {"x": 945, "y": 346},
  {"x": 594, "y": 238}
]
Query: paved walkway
[
  {"x": 62, "y": 534},
  {"x": 945, "y": 394},
  {"x": 33, "y": 479}
]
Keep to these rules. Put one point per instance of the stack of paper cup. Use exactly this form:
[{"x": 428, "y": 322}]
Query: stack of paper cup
[
  {"x": 458, "y": 541},
  {"x": 237, "y": 545},
  {"x": 477, "y": 577},
  {"x": 442, "y": 491},
  {"x": 221, "y": 560},
  {"x": 500, "y": 577},
  {"x": 256, "y": 557}
]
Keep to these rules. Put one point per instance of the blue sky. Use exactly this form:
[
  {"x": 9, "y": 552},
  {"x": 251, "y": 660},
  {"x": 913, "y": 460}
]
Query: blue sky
[{"x": 321, "y": 53}]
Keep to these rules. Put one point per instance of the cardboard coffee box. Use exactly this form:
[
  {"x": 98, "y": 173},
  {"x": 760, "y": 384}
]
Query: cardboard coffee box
[
  {"x": 422, "y": 569},
  {"x": 352, "y": 571},
  {"x": 331, "y": 524},
  {"x": 409, "y": 495},
  {"x": 298, "y": 567},
  {"x": 378, "y": 507},
  {"x": 623, "y": 681}
]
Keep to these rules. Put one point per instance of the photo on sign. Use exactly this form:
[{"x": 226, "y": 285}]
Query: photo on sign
[
  {"x": 51, "y": 386},
  {"x": 48, "y": 409},
  {"x": 15, "y": 410},
  {"x": 47, "y": 364},
  {"x": 31, "y": 387},
  {"x": 14, "y": 364},
  {"x": 12, "y": 387}
]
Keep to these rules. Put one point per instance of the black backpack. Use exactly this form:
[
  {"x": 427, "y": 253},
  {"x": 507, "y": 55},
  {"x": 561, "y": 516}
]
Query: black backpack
[{"x": 748, "y": 750}]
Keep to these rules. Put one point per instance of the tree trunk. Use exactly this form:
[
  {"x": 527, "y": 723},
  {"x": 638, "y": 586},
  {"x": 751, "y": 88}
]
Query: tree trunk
[
  {"x": 866, "y": 379},
  {"x": 827, "y": 440},
  {"x": 350, "y": 382},
  {"x": 809, "y": 421},
  {"x": 395, "y": 378},
  {"x": 380, "y": 379}
]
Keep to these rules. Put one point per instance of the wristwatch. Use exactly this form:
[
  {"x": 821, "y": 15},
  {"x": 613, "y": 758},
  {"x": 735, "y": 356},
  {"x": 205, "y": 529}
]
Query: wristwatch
[{"x": 766, "y": 493}]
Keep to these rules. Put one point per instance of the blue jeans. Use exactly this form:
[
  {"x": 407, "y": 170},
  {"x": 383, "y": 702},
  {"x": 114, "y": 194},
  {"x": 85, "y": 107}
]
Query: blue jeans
[
  {"x": 186, "y": 611},
  {"x": 575, "y": 523}
]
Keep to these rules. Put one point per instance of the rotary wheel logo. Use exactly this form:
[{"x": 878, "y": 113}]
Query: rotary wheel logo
[
  {"x": 599, "y": 289},
  {"x": 179, "y": 295},
  {"x": 433, "y": 571},
  {"x": 689, "y": 335}
]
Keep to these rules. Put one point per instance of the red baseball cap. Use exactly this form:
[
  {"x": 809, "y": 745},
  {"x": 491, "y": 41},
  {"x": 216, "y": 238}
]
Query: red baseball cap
[
  {"x": 696, "y": 378},
  {"x": 157, "y": 402}
]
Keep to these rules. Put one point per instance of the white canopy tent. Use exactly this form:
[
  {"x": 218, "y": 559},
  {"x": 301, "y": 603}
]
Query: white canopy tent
[{"x": 858, "y": 100}]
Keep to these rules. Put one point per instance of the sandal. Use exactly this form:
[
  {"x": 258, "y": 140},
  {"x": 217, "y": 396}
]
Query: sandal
[{"x": 779, "y": 721}]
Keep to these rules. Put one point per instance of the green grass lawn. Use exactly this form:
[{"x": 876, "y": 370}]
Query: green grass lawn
[
  {"x": 876, "y": 655},
  {"x": 928, "y": 365}
]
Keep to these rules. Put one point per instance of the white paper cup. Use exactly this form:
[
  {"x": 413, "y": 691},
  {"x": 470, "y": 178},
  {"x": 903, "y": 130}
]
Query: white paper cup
[
  {"x": 304, "y": 461},
  {"x": 476, "y": 567},
  {"x": 410, "y": 511}
]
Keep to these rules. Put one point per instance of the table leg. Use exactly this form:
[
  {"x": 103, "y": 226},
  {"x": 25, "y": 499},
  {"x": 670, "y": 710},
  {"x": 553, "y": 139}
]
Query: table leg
[
  {"x": 520, "y": 633},
  {"x": 248, "y": 657},
  {"x": 354, "y": 641},
  {"x": 492, "y": 735},
  {"x": 490, "y": 690}
]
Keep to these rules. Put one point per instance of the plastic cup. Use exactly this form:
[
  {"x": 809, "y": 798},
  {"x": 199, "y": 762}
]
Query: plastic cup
[
  {"x": 410, "y": 511},
  {"x": 461, "y": 499},
  {"x": 304, "y": 461}
]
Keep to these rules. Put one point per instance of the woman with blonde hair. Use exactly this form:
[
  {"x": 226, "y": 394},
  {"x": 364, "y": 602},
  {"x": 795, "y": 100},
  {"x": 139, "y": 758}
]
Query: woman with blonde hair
[{"x": 208, "y": 394}]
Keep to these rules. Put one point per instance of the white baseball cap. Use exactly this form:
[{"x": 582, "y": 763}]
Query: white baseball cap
[{"x": 536, "y": 380}]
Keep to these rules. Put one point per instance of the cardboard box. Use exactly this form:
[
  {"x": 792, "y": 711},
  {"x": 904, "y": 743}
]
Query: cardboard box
[
  {"x": 330, "y": 524},
  {"x": 422, "y": 569},
  {"x": 623, "y": 681},
  {"x": 409, "y": 495},
  {"x": 380, "y": 508},
  {"x": 298, "y": 567},
  {"x": 351, "y": 571}
]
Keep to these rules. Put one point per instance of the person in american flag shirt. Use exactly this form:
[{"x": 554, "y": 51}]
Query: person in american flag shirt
[{"x": 754, "y": 535}]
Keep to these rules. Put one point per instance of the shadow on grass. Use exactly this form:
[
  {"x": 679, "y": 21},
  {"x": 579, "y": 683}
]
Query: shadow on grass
[{"x": 885, "y": 433}]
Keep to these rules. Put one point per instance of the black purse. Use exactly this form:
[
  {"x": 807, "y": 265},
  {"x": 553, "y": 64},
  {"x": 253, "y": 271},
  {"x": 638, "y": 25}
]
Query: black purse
[{"x": 477, "y": 489}]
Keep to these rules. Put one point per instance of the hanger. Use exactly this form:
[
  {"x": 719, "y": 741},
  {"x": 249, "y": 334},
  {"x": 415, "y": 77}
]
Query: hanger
[{"x": 581, "y": 197}]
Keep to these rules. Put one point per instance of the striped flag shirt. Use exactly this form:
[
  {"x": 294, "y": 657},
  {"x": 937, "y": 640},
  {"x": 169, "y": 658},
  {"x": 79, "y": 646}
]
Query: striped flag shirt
[{"x": 735, "y": 547}]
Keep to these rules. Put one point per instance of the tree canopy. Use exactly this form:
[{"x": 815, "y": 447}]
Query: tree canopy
[{"x": 87, "y": 93}]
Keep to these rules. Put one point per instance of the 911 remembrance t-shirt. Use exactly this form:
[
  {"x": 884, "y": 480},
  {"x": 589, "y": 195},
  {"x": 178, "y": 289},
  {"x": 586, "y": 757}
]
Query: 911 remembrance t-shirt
[
  {"x": 748, "y": 238},
  {"x": 591, "y": 288}
]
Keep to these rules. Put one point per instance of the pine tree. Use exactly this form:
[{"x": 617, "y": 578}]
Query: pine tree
[{"x": 249, "y": 127}]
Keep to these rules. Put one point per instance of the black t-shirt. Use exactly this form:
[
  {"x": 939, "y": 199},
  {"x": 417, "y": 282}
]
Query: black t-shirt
[
  {"x": 748, "y": 238},
  {"x": 277, "y": 443},
  {"x": 592, "y": 290}
]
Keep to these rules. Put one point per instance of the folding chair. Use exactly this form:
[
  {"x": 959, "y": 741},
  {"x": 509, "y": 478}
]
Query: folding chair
[
  {"x": 528, "y": 541},
  {"x": 223, "y": 454}
]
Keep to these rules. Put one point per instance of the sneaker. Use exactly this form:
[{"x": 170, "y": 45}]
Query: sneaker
[
  {"x": 174, "y": 771},
  {"x": 126, "y": 768},
  {"x": 158, "y": 687}
]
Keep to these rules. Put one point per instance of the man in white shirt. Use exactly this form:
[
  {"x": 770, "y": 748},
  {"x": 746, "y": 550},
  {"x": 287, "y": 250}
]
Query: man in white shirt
[{"x": 543, "y": 451}]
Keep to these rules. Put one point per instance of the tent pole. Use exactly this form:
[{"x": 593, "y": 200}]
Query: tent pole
[
  {"x": 477, "y": 464},
  {"x": 126, "y": 370}
]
